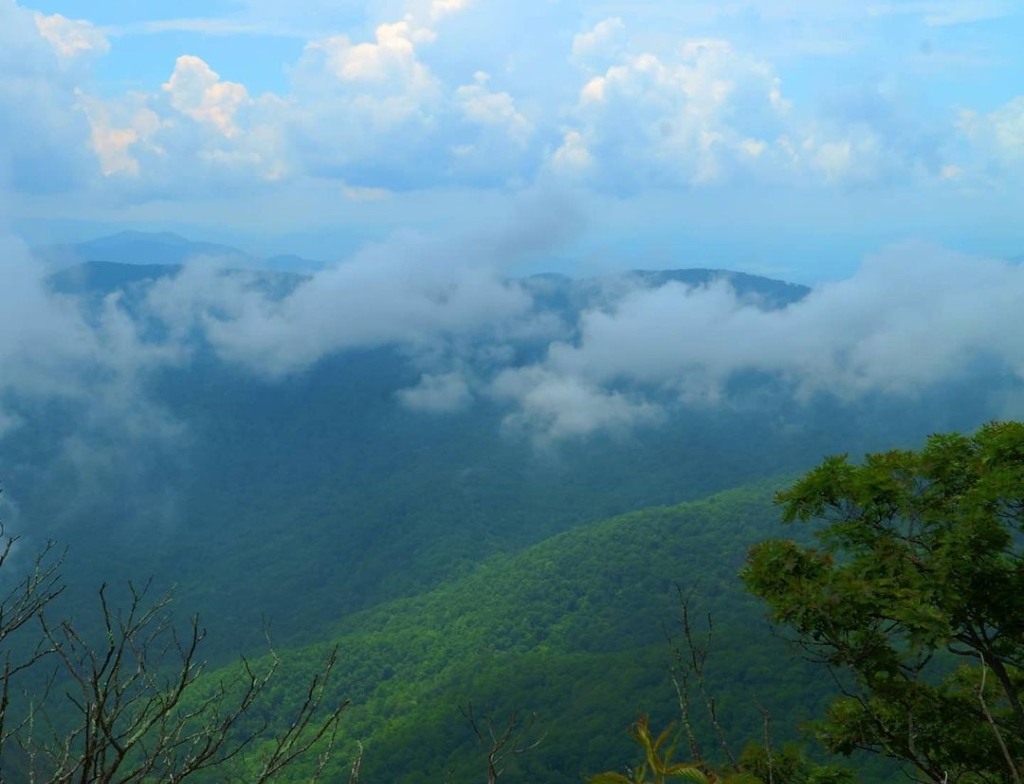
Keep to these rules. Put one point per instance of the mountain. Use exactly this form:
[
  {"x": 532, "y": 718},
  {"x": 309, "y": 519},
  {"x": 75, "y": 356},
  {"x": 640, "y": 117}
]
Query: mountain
[
  {"x": 323, "y": 485},
  {"x": 451, "y": 556},
  {"x": 162, "y": 249},
  {"x": 573, "y": 295},
  {"x": 104, "y": 277},
  {"x": 99, "y": 278},
  {"x": 579, "y": 630},
  {"x": 566, "y": 295}
]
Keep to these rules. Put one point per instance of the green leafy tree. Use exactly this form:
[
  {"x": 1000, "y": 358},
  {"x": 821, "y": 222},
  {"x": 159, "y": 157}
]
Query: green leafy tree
[
  {"x": 657, "y": 765},
  {"x": 914, "y": 596}
]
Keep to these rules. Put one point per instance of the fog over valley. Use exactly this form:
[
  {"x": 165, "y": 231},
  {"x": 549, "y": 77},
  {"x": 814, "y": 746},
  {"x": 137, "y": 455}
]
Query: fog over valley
[
  {"x": 627, "y": 350},
  {"x": 413, "y": 391}
]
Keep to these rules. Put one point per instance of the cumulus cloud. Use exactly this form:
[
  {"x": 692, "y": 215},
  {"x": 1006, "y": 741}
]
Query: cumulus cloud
[
  {"x": 699, "y": 115},
  {"x": 71, "y": 37},
  {"x": 440, "y": 8},
  {"x": 44, "y": 134},
  {"x": 572, "y": 157},
  {"x": 424, "y": 101},
  {"x": 872, "y": 135},
  {"x": 197, "y": 91},
  {"x": 119, "y": 130},
  {"x": 999, "y": 133},
  {"x": 492, "y": 109},
  {"x": 390, "y": 58},
  {"x": 197, "y": 133},
  {"x": 604, "y": 40}
]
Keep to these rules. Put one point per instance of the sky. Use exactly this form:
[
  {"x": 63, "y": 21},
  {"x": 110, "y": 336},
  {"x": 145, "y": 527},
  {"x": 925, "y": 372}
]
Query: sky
[
  {"x": 777, "y": 136},
  {"x": 431, "y": 152}
]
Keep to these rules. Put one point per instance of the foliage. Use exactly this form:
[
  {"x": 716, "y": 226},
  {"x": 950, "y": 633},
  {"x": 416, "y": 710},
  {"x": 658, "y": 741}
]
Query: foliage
[
  {"x": 572, "y": 628},
  {"x": 657, "y": 764},
  {"x": 915, "y": 598},
  {"x": 759, "y": 764}
]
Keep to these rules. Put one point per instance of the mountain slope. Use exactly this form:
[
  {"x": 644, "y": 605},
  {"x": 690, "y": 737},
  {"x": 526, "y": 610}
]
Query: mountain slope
[
  {"x": 572, "y": 628},
  {"x": 324, "y": 485}
]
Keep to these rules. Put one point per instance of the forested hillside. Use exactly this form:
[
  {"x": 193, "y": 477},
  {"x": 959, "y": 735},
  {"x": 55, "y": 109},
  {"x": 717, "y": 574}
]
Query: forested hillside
[
  {"x": 511, "y": 392},
  {"x": 454, "y": 556},
  {"x": 247, "y": 492}
]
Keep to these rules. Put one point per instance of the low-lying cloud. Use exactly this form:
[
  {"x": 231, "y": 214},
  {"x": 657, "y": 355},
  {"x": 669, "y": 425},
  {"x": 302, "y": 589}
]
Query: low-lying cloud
[
  {"x": 913, "y": 317},
  {"x": 74, "y": 387}
]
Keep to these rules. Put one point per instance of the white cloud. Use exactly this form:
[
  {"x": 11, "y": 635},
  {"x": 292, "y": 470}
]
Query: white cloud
[
  {"x": 71, "y": 37},
  {"x": 443, "y": 393},
  {"x": 572, "y": 157},
  {"x": 198, "y": 131},
  {"x": 603, "y": 41},
  {"x": 552, "y": 407},
  {"x": 56, "y": 353},
  {"x": 409, "y": 292},
  {"x": 197, "y": 91},
  {"x": 441, "y": 8},
  {"x": 366, "y": 113},
  {"x": 481, "y": 106},
  {"x": 914, "y": 316},
  {"x": 44, "y": 135},
  {"x": 998, "y": 134},
  {"x": 117, "y": 128},
  {"x": 390, "y": 59},
  {"x": 664, "y": 97},
  {"x": 685, "y": 119}
]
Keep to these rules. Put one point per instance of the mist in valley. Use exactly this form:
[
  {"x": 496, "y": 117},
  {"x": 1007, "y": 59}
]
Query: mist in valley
[{"x": 459, "y": 335}]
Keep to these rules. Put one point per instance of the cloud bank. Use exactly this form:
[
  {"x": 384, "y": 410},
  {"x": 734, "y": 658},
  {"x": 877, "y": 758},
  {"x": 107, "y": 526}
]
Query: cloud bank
[{"x": 598, "y": 356}]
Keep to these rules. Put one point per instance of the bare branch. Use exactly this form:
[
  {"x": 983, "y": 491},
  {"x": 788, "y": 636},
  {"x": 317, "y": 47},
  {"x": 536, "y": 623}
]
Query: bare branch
[
  {"x": 141, "y": 714},
  {"x": 693, "y": 664},
  {"x": 500, "y": 744},
  {"x": 992, "y": 723}
]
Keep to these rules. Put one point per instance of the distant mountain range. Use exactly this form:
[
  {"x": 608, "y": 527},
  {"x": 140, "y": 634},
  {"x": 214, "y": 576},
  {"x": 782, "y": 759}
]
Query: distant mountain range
[
  {"x": 449, "y": 556},
  {"x": 120, "y": 260},
  {"x": 163, "y": 249}
]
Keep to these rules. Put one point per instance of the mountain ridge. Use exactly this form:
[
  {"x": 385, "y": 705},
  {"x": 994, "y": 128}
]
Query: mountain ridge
[
  {"x": 555, "y": 290},
  {"x": 162, "y": 249}
]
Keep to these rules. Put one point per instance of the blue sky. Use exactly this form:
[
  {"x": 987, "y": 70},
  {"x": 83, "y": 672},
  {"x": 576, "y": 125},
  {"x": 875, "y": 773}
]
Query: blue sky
[{"x": 779, "y": 136}]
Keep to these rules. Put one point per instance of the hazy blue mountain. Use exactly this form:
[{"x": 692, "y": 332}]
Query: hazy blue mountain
[
  {"x": 323, "y": 486},
  {"x": 320, "y": 501},
  {"x": 289, "y": 262},
  {"x": 550, "y": 290},
  {"x": 103, "y": 277},
  {"x": 571, "y": 296},
  {"x": 162, "y": 249},
  {"x": 325, "y": 483}
]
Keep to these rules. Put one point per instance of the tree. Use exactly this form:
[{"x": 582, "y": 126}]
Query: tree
[
  {"x": 759, "y": 763},
  {"x": 131, "y": 705},
  {"x": 657, "y": 765},
  {"x": 503, "y": 740},
  {"x": 914, "y": 597},
  {"x": 22, "y": 603}
]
